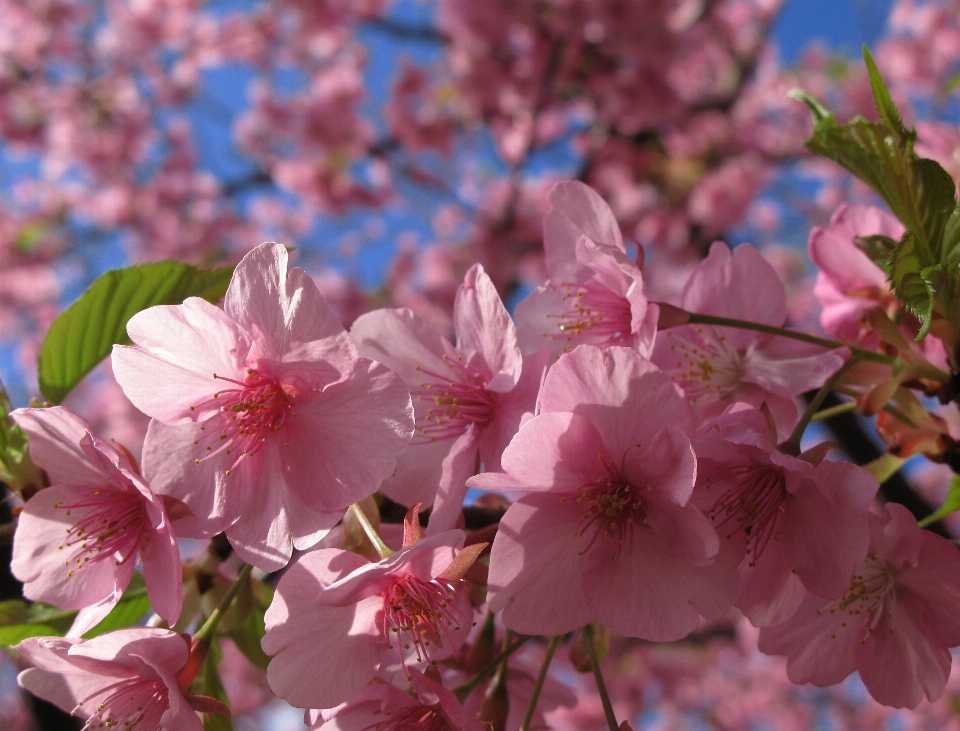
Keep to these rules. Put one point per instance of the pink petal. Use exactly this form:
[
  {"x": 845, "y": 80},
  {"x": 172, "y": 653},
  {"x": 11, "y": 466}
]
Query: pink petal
[
  {"x": 586, "y": 211},
  {"x": 55, "y": 437},
  {"x": 486, "y": 335},
  {"x": 345, "y": 440},
  {"x": 738, "y": 284},
  {"x": 285, "y": 314},
  {"x": 532, "y": 579},
  {"x": 348, "y": 640},
  {"x": 177, "y": 349},
  {"x": 833, "y": 251},
  {"x": 625, "y": 396},
  {"x": 458, "y": 466}
]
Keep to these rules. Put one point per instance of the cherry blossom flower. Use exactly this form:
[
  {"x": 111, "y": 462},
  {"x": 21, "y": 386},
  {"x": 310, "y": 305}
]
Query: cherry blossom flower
[
  {"x": 894, "y": 624},
  {"x": 594, "y": 293},
  {"x": 77, "y": 541},
  {"x": 794, "y": 522},
  {"x": 468, "y": 399},
  {"x": 430, "y": 707},
  {"x": 130, "y": 678},
  {"x": 848, "y": 282},
  {"x": 604, "y": 531},
  {"x": 717, "y": 366},
  {"x": 359, "y": 614},
  {"x": 267, "y": 424}
]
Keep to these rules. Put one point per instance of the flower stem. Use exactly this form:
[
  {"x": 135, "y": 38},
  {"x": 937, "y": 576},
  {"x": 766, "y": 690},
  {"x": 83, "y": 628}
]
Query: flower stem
[
  {"x": 551, "y": 649},
  {"x": 209, "y": 627},
  {"x": 382, "y": 548},
  {"x": 696, "y": 319},
  {"x": 601, "y": 687},
  {"x": 793, "y": 443},
  {"x": 834, "y": 411},
  {"x": 462, "y": 691}
]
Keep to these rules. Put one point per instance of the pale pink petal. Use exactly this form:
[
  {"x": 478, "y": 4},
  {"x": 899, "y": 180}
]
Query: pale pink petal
[
  {"x": 178, "y": 349},
  {"x": 834, "y": 253},
  {"x": 460, "y": 464},
  {"x": 586, "y": 211},
  {"x": 738, "y": 284},
  {"x": 486, "y": 335},
  {"x": 55, "y": 437},
  {"x": 347, "y": 438},
  {"x": 285, "y": 315},
  {"x": 559, "y": 452},
  {"x": 163, "y": 574},
  {"x": 531, "y": 579},
  {"x": 666, "y": 466},
  {"x": 618, "y": 390}
]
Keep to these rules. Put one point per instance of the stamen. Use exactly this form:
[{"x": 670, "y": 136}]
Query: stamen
[
  {"x": 420, "y": 613},
  {"x": 109, "y": 526},
  {"x": 460, "y": 400},
  {"x": 612, "y": 506},
  {"x": 592, "y": 313},
  {"x": 704, "y": 365},
  {"x": 254, "y": 408}
]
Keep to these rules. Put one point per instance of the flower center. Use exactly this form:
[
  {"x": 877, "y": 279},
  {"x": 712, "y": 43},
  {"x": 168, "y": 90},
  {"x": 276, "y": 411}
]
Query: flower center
[
  {"x": 110, "y": 525},
  {"x": 130, "y": 703},
  {"x": 611, "y": 508},
  {"x": 704, "y": 366},
  {"x": 412, "y": 718},
  {"x": 460, "y": 400},
  {"x": 421, "y": 613},
  {"x": 871, "y": 596},
  {"x": 591, "y": 312},
  {"x": 249, "y": 411},
  {"x": 754, "y": 502}
]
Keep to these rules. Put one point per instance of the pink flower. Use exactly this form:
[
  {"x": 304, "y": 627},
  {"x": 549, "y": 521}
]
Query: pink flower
[
  {"x": 129, "y": 678},
  {"x": 717, "y": 366},
  {"x": 848, "y": 281},
  {"x": 267, "y": 423},
  {"x": 605, "y": 531},
  {"x": 357, "y": 615},
  {"x": 468, "y": 399},
  {"x": 77, "y": 542},
  {"x": 793, "y": 522},
  {"x": 430, "y": 707},
  {"x": 595, "y": 292},
  {"x": 894, "y": 624}
]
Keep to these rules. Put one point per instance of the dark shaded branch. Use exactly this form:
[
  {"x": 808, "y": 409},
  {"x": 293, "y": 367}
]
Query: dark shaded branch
[
  {"x": 406, "y": 32},
  {"x": 849, "y": 434}
]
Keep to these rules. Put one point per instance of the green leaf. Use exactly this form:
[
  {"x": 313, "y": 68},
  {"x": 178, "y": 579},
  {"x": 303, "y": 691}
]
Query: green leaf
[
  {"x": 132, "y": 607},
  {"x": 881, "y": 96},
  {"x": 912, "y": 281},
  {"x": 879, "y": 248},
  {"x": 247, "y": 635},
  {"x": 950, "y": 505},
  {"x": 208, "y": 683},
  {"x": 83, "y": 335},
  {"x": 20, "y": 620}
]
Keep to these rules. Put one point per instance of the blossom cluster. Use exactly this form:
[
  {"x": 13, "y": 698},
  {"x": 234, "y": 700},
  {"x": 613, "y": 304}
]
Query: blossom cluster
[{"x": 646, "y": 459}]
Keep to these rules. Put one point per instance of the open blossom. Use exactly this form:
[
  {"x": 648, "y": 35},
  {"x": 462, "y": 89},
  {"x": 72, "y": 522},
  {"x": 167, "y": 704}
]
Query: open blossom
[
  {"x": 267, "y": 423},
  {"x": 430, "y": 707},
  {"x": 77, "y": 541},
  {"x": 358, "y": 615},
  {"x": 605, "y": 531},
  {"x": 594, "y": 293},
  {"x": 717, "y": 366},
  {"x": 468, "y": 399},
  {"x": 794, "y": 522},
  {"x": 848, "y": 282},
  {"x": 130, "y": 678},
  {"x": 894, "y": 624}
]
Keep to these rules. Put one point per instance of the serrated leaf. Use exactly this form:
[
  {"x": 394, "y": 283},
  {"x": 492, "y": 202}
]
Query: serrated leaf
[
  {"x": 912, "y": 287},
  {"x": 950, "y": 505},
  {"x": 83, "y": 335},
  {"x": 881, "y": 96},
  {"x": 878, "y": 247}
]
